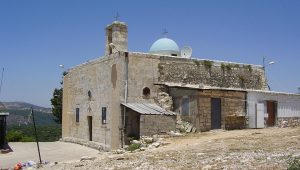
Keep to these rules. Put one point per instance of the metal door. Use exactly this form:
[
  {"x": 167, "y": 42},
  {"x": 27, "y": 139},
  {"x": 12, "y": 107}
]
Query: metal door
[{"x": 215, "y": 113}]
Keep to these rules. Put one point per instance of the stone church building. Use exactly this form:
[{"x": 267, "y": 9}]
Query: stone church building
[{"x": 130, "y": 94}]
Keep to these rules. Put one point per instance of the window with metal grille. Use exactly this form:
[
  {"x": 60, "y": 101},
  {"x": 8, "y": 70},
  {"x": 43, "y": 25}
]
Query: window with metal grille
[
  {"x": 77, "y": 114},
  {"x": 103, "y": 115}
]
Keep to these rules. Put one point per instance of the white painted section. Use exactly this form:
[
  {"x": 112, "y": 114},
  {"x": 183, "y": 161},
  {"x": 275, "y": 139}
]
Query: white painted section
[
  {"x": 256, "y": 115},
  {"x": 252, "y": 115},
  {"x": 288, "y": 105},
  {"x": 260, "y": 122}
]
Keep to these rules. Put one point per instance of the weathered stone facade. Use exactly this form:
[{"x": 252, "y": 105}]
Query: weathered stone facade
[
  {"x": 205, "y": 73},
  {"x": 232, "y": 103},
  {"x": 103, "y": 78}
]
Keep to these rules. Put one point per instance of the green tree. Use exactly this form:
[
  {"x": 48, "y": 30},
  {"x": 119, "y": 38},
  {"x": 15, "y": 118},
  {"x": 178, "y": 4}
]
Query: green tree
[{"x": 56, "y": 102}]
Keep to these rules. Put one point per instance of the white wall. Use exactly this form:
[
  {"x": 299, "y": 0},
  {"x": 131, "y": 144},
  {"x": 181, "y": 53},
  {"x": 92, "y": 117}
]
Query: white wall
[{"x": 288, "y": 105}]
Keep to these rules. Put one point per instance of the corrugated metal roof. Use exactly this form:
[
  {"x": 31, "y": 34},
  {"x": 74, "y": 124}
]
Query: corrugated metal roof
[{"x": 148, "y": 109}]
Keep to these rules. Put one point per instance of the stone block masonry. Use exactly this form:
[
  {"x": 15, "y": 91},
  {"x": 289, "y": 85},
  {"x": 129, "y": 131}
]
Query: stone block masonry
[
  {"x": 210, "y": 73},
  {"x": 156, "y": 124},
  {"x": 288, "y": 121},
  {"x": 232, "y": 103}
]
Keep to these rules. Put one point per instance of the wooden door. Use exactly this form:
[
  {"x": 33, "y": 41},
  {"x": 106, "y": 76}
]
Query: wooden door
[{"x": 271, "y": 110}]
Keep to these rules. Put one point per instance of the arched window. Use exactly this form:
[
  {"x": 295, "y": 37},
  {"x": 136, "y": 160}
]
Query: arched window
[{"x": 146, "y": 92}]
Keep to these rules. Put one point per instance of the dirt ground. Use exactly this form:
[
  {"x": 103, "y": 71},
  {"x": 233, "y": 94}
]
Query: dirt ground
[{"x": 269, "y": 148}]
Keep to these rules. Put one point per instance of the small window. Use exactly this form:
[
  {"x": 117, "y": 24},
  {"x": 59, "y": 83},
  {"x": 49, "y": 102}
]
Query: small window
[
  {"x": 173, "y": 54},
  {"x": 146, "y": 91},
  {"x": 103, "y": 115},
  {"x": 77, "y": 114},
  {"x": 185, "y": 106}
]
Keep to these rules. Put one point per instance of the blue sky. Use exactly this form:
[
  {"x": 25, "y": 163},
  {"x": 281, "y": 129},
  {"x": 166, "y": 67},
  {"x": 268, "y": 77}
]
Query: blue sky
[{"x": 37, "y": 36}]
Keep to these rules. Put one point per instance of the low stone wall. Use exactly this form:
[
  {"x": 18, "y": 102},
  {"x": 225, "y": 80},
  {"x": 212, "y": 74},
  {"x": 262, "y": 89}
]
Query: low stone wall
[
  {"x": 156, "y": 124},
  {"x": 288, "y": 121},
  {"x": 91, "y": 144}
]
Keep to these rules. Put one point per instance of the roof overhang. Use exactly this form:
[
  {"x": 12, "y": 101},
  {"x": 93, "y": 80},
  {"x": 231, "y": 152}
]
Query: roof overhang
[
  {"x": 4, "y": 113},
  {"x": 204, "y": 87},
  {"x": 148, "y": 109}
]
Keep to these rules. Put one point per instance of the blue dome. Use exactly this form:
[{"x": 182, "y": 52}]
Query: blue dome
[{"x": 165, "y": 46}]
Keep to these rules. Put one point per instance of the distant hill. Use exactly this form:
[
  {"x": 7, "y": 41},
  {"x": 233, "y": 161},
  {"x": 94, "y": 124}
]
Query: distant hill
[
  {"x": 19, "y": 114},
  {"x": 25, "y": 106}
]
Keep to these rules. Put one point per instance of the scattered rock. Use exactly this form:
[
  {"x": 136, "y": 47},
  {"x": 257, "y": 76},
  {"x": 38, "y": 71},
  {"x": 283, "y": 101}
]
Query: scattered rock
[
  {"x": 174, "y": 134},
  {"x": 142, "y": 149},
  {"x": 207, "y": 167},
  {"x": 156, "y": 144},
  {"x": 284, "y": 124},
  {"x": 119, "y": 151},
  {"x": 135, "y": 142},
  {"x": 79, "y": 165},
  {"x": 199, "y": 154},
  {"x": 148, "y": 140},
  {"x": 87, "y": 158},
  {"x": 120, "y": 158}
]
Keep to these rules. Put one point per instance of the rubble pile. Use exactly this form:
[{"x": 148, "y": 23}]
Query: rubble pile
[{"x": 185, "y": 127}]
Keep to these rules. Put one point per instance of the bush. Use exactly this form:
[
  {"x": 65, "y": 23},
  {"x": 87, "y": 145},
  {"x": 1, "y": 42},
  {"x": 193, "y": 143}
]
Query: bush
[
  {"x": 18, "y": 136},
  {"x": 14, "y": 136},
  {"x": 27, "y": 139},
  {"x": 134, "y": 146},
  {"x": 46, "y": 133},
  {"x": 294, "y": 164}
]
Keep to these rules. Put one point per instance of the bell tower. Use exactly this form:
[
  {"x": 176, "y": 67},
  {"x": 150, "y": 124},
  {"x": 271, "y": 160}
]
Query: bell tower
[{"x": 116, "y": 37}]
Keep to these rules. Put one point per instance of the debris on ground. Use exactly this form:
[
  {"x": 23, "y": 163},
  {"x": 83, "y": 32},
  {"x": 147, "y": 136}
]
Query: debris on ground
[
  {"x": 218, "y": 149},
  {"x": 185, "y": 127},
  {"x": 87, "y": 158}
]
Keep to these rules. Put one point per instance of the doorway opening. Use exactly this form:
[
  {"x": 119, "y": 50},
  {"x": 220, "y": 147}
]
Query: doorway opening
[
  {"x": 90, "y": 124},
  {"x": 272, "y": 111},
  {"x": 215, "y": 113}
]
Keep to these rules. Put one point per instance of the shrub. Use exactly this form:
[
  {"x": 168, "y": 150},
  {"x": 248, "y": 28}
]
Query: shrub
[
  {"x": 14, "y": 136},
  {"x": 207, "y": 64},
  {"x": 197, "y": 63},
  {"x": 237, "y": 66},
  {"x": 223, "y": 67},
  {"x": 294, "y": 164},
  {"x": 228, "y": 67},
  {"x": 133, "y": 147},
  {"x": 27, "y": 139},
  {"x": 46, "y": 133}
]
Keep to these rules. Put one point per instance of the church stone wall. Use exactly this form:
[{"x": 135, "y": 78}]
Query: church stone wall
[
  {"x": 103, "y": 77},
  {"x": 142, "y": 72},
  {"x": 211, "y": 73}
]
